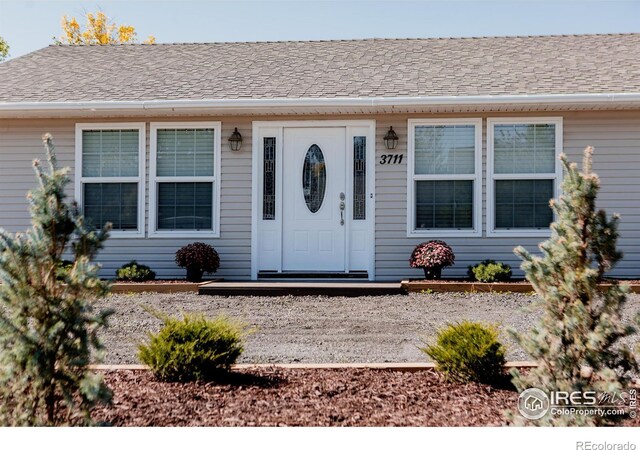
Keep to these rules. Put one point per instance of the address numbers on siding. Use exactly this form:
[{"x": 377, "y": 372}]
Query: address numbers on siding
[{"x": 391, "y": 159}]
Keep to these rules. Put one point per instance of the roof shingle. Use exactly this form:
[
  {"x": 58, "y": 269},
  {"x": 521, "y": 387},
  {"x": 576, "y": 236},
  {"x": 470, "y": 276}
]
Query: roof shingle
[{"x": 574, "y": 64}]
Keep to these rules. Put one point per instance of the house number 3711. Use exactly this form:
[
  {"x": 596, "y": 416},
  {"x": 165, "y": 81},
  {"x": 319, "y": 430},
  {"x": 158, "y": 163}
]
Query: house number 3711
[{"x": 391, "y": 159}]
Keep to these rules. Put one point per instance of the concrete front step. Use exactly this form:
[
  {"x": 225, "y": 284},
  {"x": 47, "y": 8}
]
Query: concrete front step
[{"x": 298, "y": 288}]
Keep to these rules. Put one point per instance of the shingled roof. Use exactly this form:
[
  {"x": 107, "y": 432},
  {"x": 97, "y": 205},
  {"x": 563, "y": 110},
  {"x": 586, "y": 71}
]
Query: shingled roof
[{"x": 327, "y": 69}]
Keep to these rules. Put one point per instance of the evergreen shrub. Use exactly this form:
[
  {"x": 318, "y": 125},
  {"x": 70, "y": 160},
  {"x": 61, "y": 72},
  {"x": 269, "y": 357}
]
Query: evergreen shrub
[
  {"x": 468, "y": 351},
  {"x": 489, "y": 271},
  {"x": 193, "y": 347},
  {"x": 133, "y": 271}
]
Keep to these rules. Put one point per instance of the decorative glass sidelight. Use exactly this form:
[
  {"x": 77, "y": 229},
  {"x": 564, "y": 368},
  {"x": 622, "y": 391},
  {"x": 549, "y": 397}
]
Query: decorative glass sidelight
[
  {"x": 269, "y": 179},
  {"x": 359, "y": 177},
  {"x": 314, "y": 178}
]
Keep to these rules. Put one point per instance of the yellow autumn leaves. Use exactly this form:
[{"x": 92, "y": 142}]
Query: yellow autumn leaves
[
  {"x": 4, "y": 49},
  {"x": 100, "y": 30}
]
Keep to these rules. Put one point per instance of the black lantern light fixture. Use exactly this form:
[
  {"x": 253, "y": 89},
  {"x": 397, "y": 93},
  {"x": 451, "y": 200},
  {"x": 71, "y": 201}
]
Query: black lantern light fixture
[
  {"x": 235, "y": 141},
  {"x": 391, "y": 139}
]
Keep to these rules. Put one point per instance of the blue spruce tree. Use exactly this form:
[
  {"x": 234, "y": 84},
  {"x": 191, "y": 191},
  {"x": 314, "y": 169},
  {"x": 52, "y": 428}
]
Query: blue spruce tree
[
  {"x": 48, "y": 329},
  {"x": 577, "y": 343}
]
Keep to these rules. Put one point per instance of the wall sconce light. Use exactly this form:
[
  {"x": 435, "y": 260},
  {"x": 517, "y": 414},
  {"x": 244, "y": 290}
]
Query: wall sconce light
[
  {"x": 235, "y": 141},
  {"x": 391, "y": 139}
]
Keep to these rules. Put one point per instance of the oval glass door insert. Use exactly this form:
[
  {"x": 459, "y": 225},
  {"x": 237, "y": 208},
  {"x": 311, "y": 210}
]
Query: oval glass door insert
[{"x": 314, "y": 178}]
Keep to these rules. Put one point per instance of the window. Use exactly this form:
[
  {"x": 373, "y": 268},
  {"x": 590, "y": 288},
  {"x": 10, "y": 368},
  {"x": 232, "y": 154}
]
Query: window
[
  {"x": 184, "y": 177},
  {"x": 444, "y": 190},
  {"x": 523, "y": 174},
  {"x": 314, "y": 178},
  {"x": 269, "y": 179},
  {"x": 359, "y": 178},
  {"x": 110, "y": 180}
]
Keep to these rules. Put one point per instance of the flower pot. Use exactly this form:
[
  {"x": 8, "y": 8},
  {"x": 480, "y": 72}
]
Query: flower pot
[
  {"x": 433, "y": 273},
  {"x": 194, "y": 274}
]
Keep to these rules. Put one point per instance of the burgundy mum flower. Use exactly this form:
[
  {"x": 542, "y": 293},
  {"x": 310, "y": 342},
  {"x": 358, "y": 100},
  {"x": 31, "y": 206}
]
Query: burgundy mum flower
[
  {"x": 432, "y": 254},
  {"x": 199, "y": 256}
]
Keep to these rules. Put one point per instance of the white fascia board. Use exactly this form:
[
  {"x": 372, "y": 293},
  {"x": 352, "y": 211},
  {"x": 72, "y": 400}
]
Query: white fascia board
[{"x": 569, "y": 99}]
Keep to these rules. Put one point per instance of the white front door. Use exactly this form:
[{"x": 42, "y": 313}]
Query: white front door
[{"x": 314, "y": 188}]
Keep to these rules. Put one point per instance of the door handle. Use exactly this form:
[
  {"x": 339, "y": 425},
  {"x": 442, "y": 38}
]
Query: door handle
[{"x": 342, "y": 208}]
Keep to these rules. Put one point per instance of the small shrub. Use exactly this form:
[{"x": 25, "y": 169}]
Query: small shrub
[
  {"x": 198, "y": 258},
  {"x": 468, "y": 351},
  {"x": 432, "y": 256},
  {"x": 193, "y": 348},
  {"x": 489, "y": 271},
  {"x": 135, "y": 272}
]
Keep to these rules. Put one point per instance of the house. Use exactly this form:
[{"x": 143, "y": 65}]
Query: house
[{"x": 318, "y": 183}]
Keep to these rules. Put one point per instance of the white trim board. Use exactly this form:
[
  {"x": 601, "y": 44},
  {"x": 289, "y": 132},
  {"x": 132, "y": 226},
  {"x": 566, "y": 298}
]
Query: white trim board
[{"x": 276, "y": 128}]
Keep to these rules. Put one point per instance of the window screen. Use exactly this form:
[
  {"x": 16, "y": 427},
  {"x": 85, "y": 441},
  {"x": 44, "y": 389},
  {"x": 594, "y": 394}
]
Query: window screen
[
  {"x": 444, "y": 176},
  {"x": 112, "y": 155},
  {"x": 187, "y": 153},
  {"x": 111, "y": 202},
  {"x": 185, "y": 206},
  {"x": 524, "y": 175}
]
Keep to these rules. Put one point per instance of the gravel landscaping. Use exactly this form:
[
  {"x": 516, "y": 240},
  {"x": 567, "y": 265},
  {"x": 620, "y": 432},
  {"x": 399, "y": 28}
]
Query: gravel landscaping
[{"x": 317, "y": 329}]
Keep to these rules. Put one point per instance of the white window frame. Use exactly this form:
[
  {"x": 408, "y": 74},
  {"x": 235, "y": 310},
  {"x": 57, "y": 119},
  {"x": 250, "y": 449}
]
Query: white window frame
[
  {"x": 476, "y": 177},
  {"x": 154, "y": 180},
  {"x": 140, "y": 179},
  {"x": 491, "y": 177}
]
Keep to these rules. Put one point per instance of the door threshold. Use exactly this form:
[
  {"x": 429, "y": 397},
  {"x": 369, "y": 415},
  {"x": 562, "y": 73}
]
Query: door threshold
[{"x": 295, "y": 275}]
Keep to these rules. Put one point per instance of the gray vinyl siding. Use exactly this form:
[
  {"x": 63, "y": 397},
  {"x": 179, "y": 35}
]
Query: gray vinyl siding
[
  {"x": 615, "y": 135},
  {"x": 20, "y": 143},
  {"x": 616, "y": 139}
]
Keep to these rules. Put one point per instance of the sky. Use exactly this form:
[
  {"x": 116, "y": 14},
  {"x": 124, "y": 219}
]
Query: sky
[{"x": 28, "y": 25}]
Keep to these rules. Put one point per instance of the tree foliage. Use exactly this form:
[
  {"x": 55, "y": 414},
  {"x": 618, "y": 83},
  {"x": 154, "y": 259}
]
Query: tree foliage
[
  {"x": 48, "y": 329},
  {"x": 99, "y": 29},
  {"x": 4, "y": 49},
  {"x": 577, "y": 341}
]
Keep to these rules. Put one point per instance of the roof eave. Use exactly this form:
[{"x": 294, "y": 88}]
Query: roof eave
[{"x": 369, "y": 104}]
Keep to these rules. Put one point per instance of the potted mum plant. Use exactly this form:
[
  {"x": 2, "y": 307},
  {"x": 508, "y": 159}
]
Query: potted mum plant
[
  {"x": 198, "y": 258},
  {"x": 432, "y": 256}
]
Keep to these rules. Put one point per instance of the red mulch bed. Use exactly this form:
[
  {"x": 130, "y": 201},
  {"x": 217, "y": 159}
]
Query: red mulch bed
[
  {"x": 307, "y": 397},
  {"x": 310, "y": 397}
]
